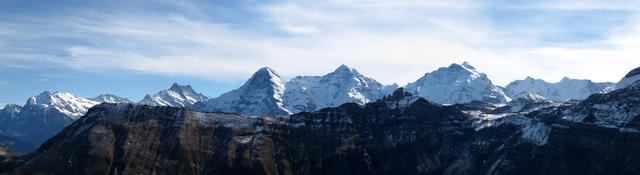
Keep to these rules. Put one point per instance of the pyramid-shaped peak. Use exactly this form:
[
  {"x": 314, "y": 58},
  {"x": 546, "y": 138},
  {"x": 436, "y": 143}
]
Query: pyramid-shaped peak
[
  {"x": 264, "y": 77},
  {"x": 267, "y": 70},
  {"x": 174, "y": 85},
  {"x": 177, "y": 88},
  {"x": 345, "y": 69}
]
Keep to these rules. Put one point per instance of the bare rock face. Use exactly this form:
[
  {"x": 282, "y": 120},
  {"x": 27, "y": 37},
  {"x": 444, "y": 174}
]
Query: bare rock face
[{"x": 399, "y": 134}]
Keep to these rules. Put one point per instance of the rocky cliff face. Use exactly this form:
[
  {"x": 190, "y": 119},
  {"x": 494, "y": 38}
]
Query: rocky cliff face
[{"x": 400, "y": 134}]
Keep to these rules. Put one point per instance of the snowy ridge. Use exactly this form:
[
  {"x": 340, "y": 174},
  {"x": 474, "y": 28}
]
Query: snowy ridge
[
  {"x": 344, "y": 85},
  {"x": 631, "y": 77},
  {"x": 266, "y": 93},
  {"x": 564, "y": 90},
  {"x": 65, "y": 103},
  {"x": 110, "y": 98},
  {"x": 615, "y": 108},
  {"x": 176, "y": 96},
  {"x": 458, "y": 83}
]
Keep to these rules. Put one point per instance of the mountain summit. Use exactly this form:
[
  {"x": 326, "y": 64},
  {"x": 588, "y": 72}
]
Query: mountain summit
[
  {"x": 458, "y": 83},
  {"x": 260, "y": 95},
  {"x": 42, "y": 116},
  {"x": 110, "y": 98},
  {"x": 177, "y": 96},
  {"x": 344, "y": 85}
]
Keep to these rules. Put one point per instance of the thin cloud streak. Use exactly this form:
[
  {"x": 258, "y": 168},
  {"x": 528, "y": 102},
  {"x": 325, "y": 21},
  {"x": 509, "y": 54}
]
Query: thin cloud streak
[{"x": 391, "y": 42}]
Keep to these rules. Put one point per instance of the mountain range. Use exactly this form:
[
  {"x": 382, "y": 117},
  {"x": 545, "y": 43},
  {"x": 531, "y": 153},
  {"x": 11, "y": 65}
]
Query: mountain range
[
  {"x": 564, "y": 90},
  {"x": 266, "y": 93},
  {"x": 400, "y": 133}
]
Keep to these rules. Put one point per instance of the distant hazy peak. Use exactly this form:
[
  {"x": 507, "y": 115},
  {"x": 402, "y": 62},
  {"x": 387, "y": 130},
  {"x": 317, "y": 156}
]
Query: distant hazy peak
[
  {"x": 176, "y": 95},
  {"x": 110, "y": 98}
]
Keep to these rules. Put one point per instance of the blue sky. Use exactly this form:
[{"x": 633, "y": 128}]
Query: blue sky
[{"x": 136, "y": 48}]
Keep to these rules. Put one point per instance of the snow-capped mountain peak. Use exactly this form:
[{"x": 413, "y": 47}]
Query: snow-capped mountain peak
[
  {"x": 42, "y": 98},
  {"x": 345, "y": 84},
  {"x": 177, "y": 96},
  {"x": 110, "y": 98},
  {"x": 260, "y": 95},
  {"x": 458, "y": 83},
  {"x": 10, "y": 110},
  {"x": 265, "y": 77},
  {"x": 66, "y": 103}
]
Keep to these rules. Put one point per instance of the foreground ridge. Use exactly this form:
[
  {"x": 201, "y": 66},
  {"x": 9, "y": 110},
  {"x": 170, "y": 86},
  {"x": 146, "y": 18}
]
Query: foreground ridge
[{"x": 399, "y": 134}]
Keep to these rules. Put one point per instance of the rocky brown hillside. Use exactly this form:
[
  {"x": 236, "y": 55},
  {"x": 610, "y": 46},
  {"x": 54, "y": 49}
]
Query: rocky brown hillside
[{"x": 400, "y": 134}]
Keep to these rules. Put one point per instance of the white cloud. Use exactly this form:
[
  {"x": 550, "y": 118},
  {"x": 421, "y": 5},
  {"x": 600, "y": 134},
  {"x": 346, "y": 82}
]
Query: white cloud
[{"x": 392, "y": 41}]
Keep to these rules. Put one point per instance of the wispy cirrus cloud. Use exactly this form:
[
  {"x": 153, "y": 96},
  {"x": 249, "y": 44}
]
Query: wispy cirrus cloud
[{"x": 391, "y": 41}]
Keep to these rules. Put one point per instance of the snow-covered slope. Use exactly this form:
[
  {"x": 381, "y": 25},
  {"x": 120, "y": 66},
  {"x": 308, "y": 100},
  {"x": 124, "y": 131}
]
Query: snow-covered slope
[
  {"x": 564, "y": 90},
  {"x": 619, "y": 107},
  {"x": 176, "y": 96},
  {"x": 631, "y": 77},
  {"x": 260, "y": 95},
  {"x": 63, "y": 102},
  {"x": 110, "y": 98},
  {"x": 42, "y": 116},
  {"x": 458, "y": 83},
  {"x": 526, "y": 103},
  {"x": 345, "y": 84}
]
